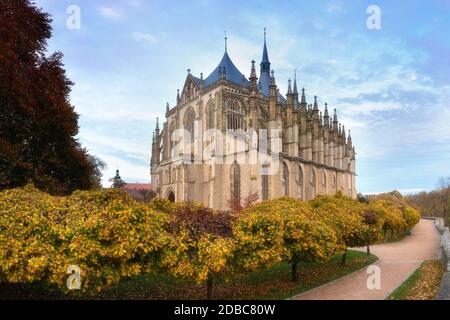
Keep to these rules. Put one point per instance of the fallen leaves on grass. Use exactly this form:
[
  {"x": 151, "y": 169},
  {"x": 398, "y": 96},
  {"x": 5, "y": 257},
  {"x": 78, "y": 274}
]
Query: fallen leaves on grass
[{"x": 427, "y": 285}]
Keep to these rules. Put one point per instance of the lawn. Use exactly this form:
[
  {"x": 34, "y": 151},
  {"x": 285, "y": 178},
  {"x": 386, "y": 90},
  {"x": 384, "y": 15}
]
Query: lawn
[
  {"x": 273, "y": 283},
  {"x": 423, "y": 284}
]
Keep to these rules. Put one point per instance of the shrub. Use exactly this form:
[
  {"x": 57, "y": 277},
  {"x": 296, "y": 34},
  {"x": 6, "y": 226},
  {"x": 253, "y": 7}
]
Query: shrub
[{"x": 105, "y": 233}]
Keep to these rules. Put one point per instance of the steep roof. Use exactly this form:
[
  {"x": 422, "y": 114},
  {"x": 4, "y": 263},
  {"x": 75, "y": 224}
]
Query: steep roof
[{"x": 231, "y": 73}]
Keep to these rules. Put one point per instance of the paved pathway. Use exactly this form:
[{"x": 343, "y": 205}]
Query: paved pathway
[{"x": 397, "y": 261}]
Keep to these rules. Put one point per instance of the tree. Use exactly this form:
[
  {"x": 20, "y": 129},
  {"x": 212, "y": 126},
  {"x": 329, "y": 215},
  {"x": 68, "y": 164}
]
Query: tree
[
  {"x": 237, "y": 205},
  {"x": 200, "y": 245},
  {"x": 104, "y": 233},
  {"x": 38, "y": 124},
  {"x": 444, "y": 188},
  {"x": 117, "y": 181},
  {"x": 303, "y": 238}
]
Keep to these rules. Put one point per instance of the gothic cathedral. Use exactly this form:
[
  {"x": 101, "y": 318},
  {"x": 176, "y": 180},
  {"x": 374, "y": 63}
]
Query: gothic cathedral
[{"x": 229, "y": 137}]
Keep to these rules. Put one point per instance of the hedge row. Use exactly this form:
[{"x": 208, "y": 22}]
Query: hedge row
[{"x": 108, "y": 237}]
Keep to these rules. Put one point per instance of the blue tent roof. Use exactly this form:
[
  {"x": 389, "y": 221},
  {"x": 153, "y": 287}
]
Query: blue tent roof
[{"x": 231, "y": 73}]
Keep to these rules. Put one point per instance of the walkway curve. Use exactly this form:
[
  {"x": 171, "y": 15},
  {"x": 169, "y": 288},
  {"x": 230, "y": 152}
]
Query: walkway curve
[{"x": 397, "y": 262}]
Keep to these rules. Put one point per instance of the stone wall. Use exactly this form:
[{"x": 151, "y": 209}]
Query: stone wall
[{"x": 444, "y": 291}]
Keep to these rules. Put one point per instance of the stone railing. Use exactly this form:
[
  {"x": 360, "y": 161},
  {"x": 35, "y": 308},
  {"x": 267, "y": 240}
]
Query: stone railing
[{"x": 444, "y": 291}]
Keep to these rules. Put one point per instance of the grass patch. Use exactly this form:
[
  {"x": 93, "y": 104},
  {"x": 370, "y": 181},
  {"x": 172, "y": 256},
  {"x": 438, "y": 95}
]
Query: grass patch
[
  {"x": 423, "y": 284},
  {"x": 274, "y": 283}
]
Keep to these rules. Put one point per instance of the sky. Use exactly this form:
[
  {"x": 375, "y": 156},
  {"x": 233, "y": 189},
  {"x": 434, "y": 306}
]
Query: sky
[{"x": 391, "y": 85}]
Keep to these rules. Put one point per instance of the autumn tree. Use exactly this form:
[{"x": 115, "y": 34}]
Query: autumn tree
[
  {"x": 200, "y": 245},
  {"x": 38, "y": 124},
  {"x": 444, "y": 189}
]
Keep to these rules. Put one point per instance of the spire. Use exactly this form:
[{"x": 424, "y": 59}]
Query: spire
[
  {"x": 295, "y": 82},
  {"x": 253, "y": 72},
  {"x": 335, "y": 120},
  {"x": 226, "y": 40},
  {"x": 316, "y": 106},
  {"x": 303, "y": 96},
  {"x": 289, "y": 87},
  {"x": 157, "y": 124},
  {"x": 167, "y": 107},
  {"x": 178, "y": 96},
  {"x": 326, "y": 117},
  {"x": 349, "y": 140},
  {"x": 253, "y": 78},
  {"x": 264, "y": 77},
  {"x": 265, "y": 63},
  {"x": 265, "y": 55}
]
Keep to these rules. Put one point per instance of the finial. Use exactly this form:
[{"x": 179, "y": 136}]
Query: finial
[
  {"x": 157, "y": 123},
  {"x": 201, "y": 76},
  {"x": 167, "y": 107},
  {"x": 289, "y": 87},
  {"x": 316, "y": 106},
  {"x": 265, "y": 34},
  {"x": 272, "y": 73},
  {"x": 189, "y": 71},
  {"x": 226, "y": 40}
]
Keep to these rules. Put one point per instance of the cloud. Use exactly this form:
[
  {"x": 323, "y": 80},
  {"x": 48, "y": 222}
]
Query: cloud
[
  {"x": 129, "y": 171},
  {"x": 110, "y": 13},
  {"x": 145, "y": 37}
]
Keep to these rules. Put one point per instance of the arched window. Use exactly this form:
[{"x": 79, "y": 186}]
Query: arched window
[
  {"x": 285, "y": 179},
  {"x": 171, "y": 138},
  {"x": 312, "y": 184},
  {"x": 189, "y": 119},
  {"x": 236, "y": 182},
  {"x": 300, "y": 182},
  {"x": 235, "y": 114},
  {"x": 284, "y": 147},
  {"x": 210, "y": 116},
  {"x": 265, "y": 182}
]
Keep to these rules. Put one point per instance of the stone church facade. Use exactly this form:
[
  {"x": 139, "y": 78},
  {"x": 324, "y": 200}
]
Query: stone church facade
[{"x": 230, "y": 136}]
